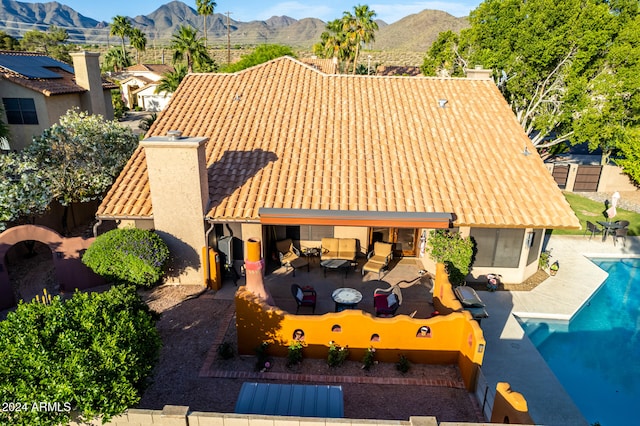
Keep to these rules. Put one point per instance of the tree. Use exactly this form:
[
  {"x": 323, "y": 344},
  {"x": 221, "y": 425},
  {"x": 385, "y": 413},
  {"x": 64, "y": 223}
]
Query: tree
[
  {"x": 546, "y": 55},
  {"x": 334, "y": 43},
  {"x": 443, "y": 58},
  {"x": 8, "y": 42},
  {"x": 360, "y": 28},
  {"x": 188, "y": 46},
  {"x": 52, "y": 43},
  {"x": 25, "y": 191},
  {"x": 138, "y": 41},
  {"x": 261, "y": 54},
  {"x": 82, "y": 155},
  {"x": 116, "y": 60},
  {"x": 205, "y": 8},
  {"x": 121, "y": 27},
  {"x": 90, "y": 355},
  {"x": 129, "y": 255},
  {"x": 172, "y": 79}
]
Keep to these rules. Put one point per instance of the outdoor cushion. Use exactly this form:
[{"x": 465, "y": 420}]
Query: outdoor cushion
[
  {"x": 380, "y": 302},
  {"x": 338, "y": 248},
  {"x": 300, "y": 294},
  {"x": 391, "y": 300}
]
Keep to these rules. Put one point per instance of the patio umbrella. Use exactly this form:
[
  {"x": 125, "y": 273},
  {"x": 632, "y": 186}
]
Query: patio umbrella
[{"x": 611, "y": 211}]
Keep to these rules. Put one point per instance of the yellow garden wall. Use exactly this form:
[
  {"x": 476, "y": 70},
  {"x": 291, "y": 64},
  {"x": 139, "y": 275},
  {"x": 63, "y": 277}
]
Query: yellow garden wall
[{"x": 453, "y": 338}]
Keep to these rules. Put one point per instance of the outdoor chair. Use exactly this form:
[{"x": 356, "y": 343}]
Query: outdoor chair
[
  {"x": 378, "y": 259},
  {"x": 592, "y": 229},
  {"x": 304, "y": 297},
  {"x": 623, "y": 223},
  {"x": 290, "y": 256},
  {"x": 621, "y": 233},
  {"x": 387, "y": 301}
]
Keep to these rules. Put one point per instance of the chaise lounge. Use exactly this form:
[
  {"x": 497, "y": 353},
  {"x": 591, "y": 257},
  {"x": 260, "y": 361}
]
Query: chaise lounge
[{"x": 378, "y": 259}]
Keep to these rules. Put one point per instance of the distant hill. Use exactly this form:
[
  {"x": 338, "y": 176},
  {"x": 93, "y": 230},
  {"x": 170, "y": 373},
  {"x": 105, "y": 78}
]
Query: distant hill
[{"x": 413, "y": 33}]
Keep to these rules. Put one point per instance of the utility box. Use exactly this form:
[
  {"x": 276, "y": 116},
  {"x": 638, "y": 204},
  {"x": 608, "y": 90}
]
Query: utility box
[
  {"x": 225, "y": 248},
  {"x": 214, "y": 278}
]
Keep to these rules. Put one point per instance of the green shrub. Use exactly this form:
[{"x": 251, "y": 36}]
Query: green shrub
[
  {"x": 135, "y": 256},
  {"x": 89, "y": 356},
  {"x": 337, "y": 354},
  {"x": 369, "y": 359},
  {"x": 294, "y": 353},
  {"x": 454, "y": 251},
  {"x": 225, "y": 350},
  {"x": 403, "y": 365}
]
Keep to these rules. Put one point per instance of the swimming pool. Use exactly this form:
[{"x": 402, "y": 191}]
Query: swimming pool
[{"x": 596, "y": 356}]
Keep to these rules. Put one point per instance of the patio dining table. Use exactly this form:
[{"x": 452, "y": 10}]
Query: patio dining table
[
  {"x": 608, "y": 227},
  {"x": 346, "y": 298}
]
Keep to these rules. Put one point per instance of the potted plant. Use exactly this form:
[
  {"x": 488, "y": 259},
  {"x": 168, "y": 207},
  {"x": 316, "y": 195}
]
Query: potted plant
[{"x": 553, "y": 269}]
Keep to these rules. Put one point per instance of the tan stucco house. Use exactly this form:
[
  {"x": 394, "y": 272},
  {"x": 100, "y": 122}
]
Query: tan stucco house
[
  {"x": 139, "y": 86},
  {"x": 284, "y": 150},
  {"x": 37, "y": 90}
]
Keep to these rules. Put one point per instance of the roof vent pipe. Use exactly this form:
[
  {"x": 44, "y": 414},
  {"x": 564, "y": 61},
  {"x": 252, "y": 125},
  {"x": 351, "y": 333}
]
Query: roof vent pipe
[
  {"x": 442, "y": 103},
  {"x": 173, "y": 135}
]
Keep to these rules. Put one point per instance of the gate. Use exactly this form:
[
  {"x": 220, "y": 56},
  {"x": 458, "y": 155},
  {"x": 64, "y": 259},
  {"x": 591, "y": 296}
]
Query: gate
[
  {"x": 587, "y": 178},
  {"x": 561, "y": 175},
  {"x": 485, "y": 395}
]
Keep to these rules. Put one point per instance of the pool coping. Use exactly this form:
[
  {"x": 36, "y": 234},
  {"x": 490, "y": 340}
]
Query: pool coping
[{"x": 511, "y": 357}]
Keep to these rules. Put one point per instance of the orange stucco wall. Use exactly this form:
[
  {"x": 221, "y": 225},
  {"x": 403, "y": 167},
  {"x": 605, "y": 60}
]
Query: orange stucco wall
[
  {"x": 454, "y": 338},
  {"x": 509, "y": 407}
]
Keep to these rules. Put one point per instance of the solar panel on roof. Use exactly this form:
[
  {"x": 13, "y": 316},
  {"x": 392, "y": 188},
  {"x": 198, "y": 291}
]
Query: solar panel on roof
[{"x": 33, "y": 66}]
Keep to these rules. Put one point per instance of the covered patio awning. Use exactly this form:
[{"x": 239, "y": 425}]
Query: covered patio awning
[{"x": 271, "y": 216}]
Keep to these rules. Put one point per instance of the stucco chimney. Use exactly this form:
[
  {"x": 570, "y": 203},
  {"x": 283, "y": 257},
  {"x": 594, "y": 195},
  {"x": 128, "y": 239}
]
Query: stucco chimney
[
  {"x": 87, "y": 71},
  {"x": 177, "y": 170},
  {"x": 479, "y": 73}
]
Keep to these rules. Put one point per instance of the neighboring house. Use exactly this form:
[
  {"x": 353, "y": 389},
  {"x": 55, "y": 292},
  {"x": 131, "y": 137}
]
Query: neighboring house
[
  {"x": 139, "y": 85},
  {"x": 282, "y": 150},
  {"x": 37, "y": 90}
]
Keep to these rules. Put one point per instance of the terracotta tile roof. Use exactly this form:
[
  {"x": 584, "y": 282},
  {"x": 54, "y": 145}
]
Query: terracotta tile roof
[
  {"x": 283, "y": 135},
  {"x": 327, "y": 66},
  {"x": 389, "y": 70},
  {"x": 64, "y": 83},
  {"x": 159, "y": 69}
]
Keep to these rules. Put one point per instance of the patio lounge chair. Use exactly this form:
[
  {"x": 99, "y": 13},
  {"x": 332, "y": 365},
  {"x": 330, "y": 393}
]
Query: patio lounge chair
[
  {"x": 304, "y": 297},
  {"x": 592, "y": 229},
  {"x": 387, "y": 301},
  {"x": 378, "y": 259},
  {"x": 290, "y": 256}
]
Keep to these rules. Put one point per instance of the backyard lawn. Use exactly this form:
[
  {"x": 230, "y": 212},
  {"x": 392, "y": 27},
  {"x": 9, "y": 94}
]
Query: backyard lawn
[{"x": 593, "y": 211}]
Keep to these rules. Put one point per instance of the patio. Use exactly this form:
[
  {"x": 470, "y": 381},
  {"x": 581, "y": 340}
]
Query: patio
[{"x": 416, "y": 288}]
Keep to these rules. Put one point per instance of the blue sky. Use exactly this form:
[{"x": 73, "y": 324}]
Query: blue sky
[{"x": 243, "y": 10}]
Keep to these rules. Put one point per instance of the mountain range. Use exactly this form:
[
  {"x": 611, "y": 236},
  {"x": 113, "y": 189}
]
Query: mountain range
[{"x": 414, "y": 33}]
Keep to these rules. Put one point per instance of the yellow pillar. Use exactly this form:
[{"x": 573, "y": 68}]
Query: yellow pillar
[{"x": 254, "y": 268}]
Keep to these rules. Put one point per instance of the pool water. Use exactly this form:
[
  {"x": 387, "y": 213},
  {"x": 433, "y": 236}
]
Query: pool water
[{"x": 596, "y": 356}]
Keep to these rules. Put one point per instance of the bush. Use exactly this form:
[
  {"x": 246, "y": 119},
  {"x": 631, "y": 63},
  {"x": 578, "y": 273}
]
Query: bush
[
  {"x": 135, "y": 256},
  {"x": 87, "y": 357},
  {"x": 454, "y": 251},
  {"x": 337, "y": 354},
  {"x": 369, "y": 359},
  {"x": 403, "y": 365},
  {"x": 294, "y": 353},
  {"x": 225, "y": 350}
]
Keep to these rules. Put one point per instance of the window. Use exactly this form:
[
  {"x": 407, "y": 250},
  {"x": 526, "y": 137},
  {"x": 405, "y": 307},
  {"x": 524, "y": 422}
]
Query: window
[
  {"x": 500, "y": 248},
  {"x": 20, "y": 110},
  {"x": 309, "y": 232}
]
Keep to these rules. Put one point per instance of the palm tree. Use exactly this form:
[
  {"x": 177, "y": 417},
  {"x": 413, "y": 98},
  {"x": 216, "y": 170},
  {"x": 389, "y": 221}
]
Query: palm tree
[
  {"x": 334, "y": 42},
  {"x": 139, "y": 42},
  {"x": 121, "y": 27},
  {"x": 205, "y": 8},
  {"x": 359, "y": 28},
  {"x": 187, "y": 45},
  {"x": 116, "y": 60},
  {"x": 171, "y": 80}
]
